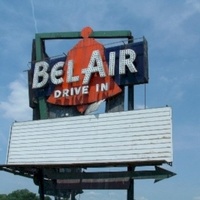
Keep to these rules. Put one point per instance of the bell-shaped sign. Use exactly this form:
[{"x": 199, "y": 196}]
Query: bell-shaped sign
[{"x": 85, "y": 74}]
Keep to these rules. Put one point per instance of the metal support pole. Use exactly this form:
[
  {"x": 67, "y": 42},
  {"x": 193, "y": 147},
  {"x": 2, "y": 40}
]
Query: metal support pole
[
  {"x": 131, "y": 89},
  {"x": 41, "y": 184},
  {"x": 130, "y": 191},
  {"x": 73, "y": 195},
  {"x": 130, "y": 97}
]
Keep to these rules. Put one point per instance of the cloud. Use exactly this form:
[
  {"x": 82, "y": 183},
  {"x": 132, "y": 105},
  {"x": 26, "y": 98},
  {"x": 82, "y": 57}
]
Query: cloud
[
  {"x": 195, "y": 4},
  {"x": 16, "y": 105},
  {"x": 167, "y": 22}
]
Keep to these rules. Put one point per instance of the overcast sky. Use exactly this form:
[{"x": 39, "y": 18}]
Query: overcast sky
[{"x": 172, "y": 30}]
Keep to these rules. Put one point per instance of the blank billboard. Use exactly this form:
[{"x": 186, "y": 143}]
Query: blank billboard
[{"x": 138, "y": 136}]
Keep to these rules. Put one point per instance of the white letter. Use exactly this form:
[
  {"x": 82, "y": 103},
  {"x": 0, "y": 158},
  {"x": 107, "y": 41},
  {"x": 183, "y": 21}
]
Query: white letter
[
  {"x": 112, "y": 63},
  {"x": 85, "y": 89},
  {"x": 94, "y": 60},
  {"x": 77, "y": 90},
  {"x": 71, "y": 91},
  {"x": 97, "y": 87},
  {"x": 123, "y": 61},
  {"x": 65, "y": 93},
  {"x": 104, "y": 87},
  {"x": 40, "y": 76},
  {"x": 57, "y": 93},
  {"x": 70, "y": 77},
  {"x": 57, "y": 71}
]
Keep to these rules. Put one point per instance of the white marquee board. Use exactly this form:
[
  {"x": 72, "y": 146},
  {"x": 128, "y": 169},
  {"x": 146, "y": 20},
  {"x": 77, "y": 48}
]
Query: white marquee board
[{"x": 121, "y": 137}]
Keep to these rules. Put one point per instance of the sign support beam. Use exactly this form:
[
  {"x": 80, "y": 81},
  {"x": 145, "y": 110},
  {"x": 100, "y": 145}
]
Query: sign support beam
[
  {"x": 41, "y": 184},
  {"x": 130, "y": 191}
]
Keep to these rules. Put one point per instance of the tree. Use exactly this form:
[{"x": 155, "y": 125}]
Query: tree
[
  {"x": 21, "y": 195},
  {"x": 3, "y": 197}
]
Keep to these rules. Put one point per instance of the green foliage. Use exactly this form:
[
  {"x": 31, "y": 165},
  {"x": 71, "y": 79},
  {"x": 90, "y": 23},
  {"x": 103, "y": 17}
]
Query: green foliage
[
  {"x": 3, "y": 197},
  {"x": 21, "y": 195}
]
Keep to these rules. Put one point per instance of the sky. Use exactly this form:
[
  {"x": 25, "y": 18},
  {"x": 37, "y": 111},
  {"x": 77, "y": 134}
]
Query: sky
[{"x": 172, "y": 30}]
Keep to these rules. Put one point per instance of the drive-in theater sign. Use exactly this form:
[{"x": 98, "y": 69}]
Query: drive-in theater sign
[
  {"x": 66, "y": 136},
  {"x": 90, "y": 72}
]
